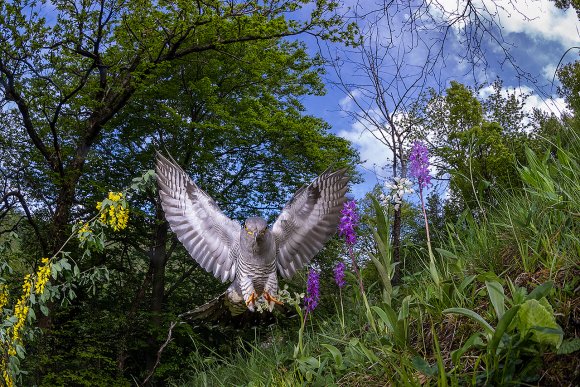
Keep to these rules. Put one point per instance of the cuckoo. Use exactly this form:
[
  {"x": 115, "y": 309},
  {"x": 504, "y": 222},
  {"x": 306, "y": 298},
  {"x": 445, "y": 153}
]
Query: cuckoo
[{"x": 251, "y": 255}]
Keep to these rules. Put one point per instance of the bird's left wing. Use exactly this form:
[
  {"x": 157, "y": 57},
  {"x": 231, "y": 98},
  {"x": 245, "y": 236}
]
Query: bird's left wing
[
  {"x": 210, "y": 237},
  {"x": 308, "y": 220}
]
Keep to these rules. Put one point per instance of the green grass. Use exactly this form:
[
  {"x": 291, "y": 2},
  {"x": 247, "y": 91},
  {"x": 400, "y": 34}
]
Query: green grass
[{"x": 490, "y": 321}]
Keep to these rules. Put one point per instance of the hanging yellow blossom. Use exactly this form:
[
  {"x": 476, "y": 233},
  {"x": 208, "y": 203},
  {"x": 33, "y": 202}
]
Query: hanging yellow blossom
[
  {"x": 115, "y": 214},
  {"x": 84, "y": 231},
  {"x": 42, "y": 276},
  {"x": 21, "y": 313},
  {"x": 5, "y": 375},
  {"x": 115, "y": 196},
  {"x": 3, "y": 296}
]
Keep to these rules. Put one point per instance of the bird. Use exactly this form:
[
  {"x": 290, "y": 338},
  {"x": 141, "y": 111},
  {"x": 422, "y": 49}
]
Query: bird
[{"x": 250, "y": 255}]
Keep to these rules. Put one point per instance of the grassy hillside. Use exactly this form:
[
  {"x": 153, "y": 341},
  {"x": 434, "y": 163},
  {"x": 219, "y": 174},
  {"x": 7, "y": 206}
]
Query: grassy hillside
[{"x": 501, "y": 306}]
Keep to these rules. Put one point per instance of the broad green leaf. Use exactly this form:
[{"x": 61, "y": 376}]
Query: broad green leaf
[
  {"x": 385, "y": 279},
  {"x": 533, "y": 316},
  {"x": 569, "y": 346},
  {"x": 382, "y": 222},
  {"x": 404, "y": 312},
  {"x": 369, "y": 354},
  {"x": 473, "y": 315},
  {"x": 445, "y": 253},
  {"x": 497, "y": 297},
  {"x": 541, "y": 291},
  {"x": 423, "y": 366},
  {"x": 336, "y": 355},
  {"x": 434, "y": 273},
  {"x": 383, "y": 316},
  {"x": 502, "y": 327}
]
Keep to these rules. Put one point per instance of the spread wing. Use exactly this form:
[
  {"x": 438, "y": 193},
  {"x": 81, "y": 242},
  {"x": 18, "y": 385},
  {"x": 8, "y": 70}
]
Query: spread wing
[
  {"x": 210, "y": 237},
  {"x": 308, "y": 220}
]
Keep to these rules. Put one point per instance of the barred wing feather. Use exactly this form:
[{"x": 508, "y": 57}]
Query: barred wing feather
[
  {"x": 210, "y": 237},
  {"x": 308, "y": 220}
]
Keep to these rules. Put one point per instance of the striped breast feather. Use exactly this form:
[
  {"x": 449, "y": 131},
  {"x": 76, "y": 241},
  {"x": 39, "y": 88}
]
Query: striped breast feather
[
  {"x": 308, "y": 220},
  {"x": 210, "y": 237}
]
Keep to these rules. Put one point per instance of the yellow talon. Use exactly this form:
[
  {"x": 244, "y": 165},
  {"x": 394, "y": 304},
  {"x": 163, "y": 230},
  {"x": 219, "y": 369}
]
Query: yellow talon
[
  {"x": 252, "y": 299},
  {"x": 269, "y": 298}
]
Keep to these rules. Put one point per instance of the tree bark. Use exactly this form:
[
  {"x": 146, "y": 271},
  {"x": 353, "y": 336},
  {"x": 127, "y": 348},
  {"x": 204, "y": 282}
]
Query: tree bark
[{"x": 157, "y": 268}]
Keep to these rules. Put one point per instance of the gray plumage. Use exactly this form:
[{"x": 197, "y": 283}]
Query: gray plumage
[{"x": 252, "y": 255}]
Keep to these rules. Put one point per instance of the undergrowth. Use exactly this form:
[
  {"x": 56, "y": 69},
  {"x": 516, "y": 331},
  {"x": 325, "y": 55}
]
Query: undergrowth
[{"x": 500, "y": 307}]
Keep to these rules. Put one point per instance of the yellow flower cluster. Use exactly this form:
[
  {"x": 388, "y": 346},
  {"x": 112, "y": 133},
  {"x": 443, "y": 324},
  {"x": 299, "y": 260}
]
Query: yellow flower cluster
[
  {"x": 3, "y": 297},
  {"x": 85, "y": 228},
  {"x": 21, "y": 313},
  {"x": 42, "y": 276},
  {"x": 116, "y": 215},
  {"x": 5, "y": 375}
]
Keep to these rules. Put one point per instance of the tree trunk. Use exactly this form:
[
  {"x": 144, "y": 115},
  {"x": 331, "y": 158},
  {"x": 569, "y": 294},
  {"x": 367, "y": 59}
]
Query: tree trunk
[{"x": 157, "y": 267}]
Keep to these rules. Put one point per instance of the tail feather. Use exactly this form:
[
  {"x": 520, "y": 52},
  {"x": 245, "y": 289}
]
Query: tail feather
[
  {"x": 222, "y": 311},
  {"x": 213, "y": 310}
]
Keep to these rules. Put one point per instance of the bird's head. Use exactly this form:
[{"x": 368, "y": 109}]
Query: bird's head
[{"x": 255, "y": 228}]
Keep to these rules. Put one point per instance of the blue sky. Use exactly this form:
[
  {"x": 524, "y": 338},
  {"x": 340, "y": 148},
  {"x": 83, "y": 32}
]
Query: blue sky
[{"x": 536, "y": 35}]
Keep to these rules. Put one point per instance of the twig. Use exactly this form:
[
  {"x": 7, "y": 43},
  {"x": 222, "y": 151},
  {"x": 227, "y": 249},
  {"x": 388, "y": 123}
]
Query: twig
[{"x": 173, "y": 324}]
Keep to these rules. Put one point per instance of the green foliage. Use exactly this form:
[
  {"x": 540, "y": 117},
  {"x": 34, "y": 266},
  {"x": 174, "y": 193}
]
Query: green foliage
[
  {"x": 508, "y": 352},
  {"x": 478, "y": 142},
  {"x": 383, "y": 263},
  {"x": 475, "y": 328},
  {"x": 537, "y": 318},
  {"x": 88, "y": 97}
]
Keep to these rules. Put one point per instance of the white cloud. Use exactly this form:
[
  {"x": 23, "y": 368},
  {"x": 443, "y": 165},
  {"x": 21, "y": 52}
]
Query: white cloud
[
  {"x": 373, "y": 153},
  {"x": 538, "y": 19},
  {"x": 347, "y": 102},
  {"x": 550, "y": 105},
  {"x": 548, "y": 71}
]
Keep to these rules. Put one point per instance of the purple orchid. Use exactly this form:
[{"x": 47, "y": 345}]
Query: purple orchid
[
  {"x": 348, "y": 222},
  {"x": 419, "y": 160}
]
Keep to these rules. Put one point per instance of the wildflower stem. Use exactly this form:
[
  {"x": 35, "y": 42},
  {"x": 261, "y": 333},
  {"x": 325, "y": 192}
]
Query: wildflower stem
[
  {"x": 432, "y": 267},
  {"x": 356, "y": 270},
  {"x": 362, "y": 289},
  {"x": 341, "y": 310}
]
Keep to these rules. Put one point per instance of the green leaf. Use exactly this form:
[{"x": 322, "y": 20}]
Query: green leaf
[
  {"x": 369, "y": 354},
  {"x": 44, "y": 309},
  {"x": 502, "y": 327},
  {"x": 569, "y": 346},
  {"x": 20, "y": 351},
  {"x": 64, "y": 263},
  {"x": 383, "y": 274},
  {"x": 445, "y": 253},
  {"x": 404, "y": 312},
  {"x": 423, "y": 366},
  {"x": 466, "y": 282},
  {"x": 385, "y": 318},
  {"x": 473, "y": 341},
  {"x": 541, "y": 291},
  {"x": 336, "y": 355},
  {"x": 532, "y": 317},
  {"x": 382, "y": 221},
  {"x": 473, "y": 315},
  {"x": 497, "y": 297}
]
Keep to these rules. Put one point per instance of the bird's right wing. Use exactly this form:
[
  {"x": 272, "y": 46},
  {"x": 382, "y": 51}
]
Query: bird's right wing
[{"x": 210, "y": 237}]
